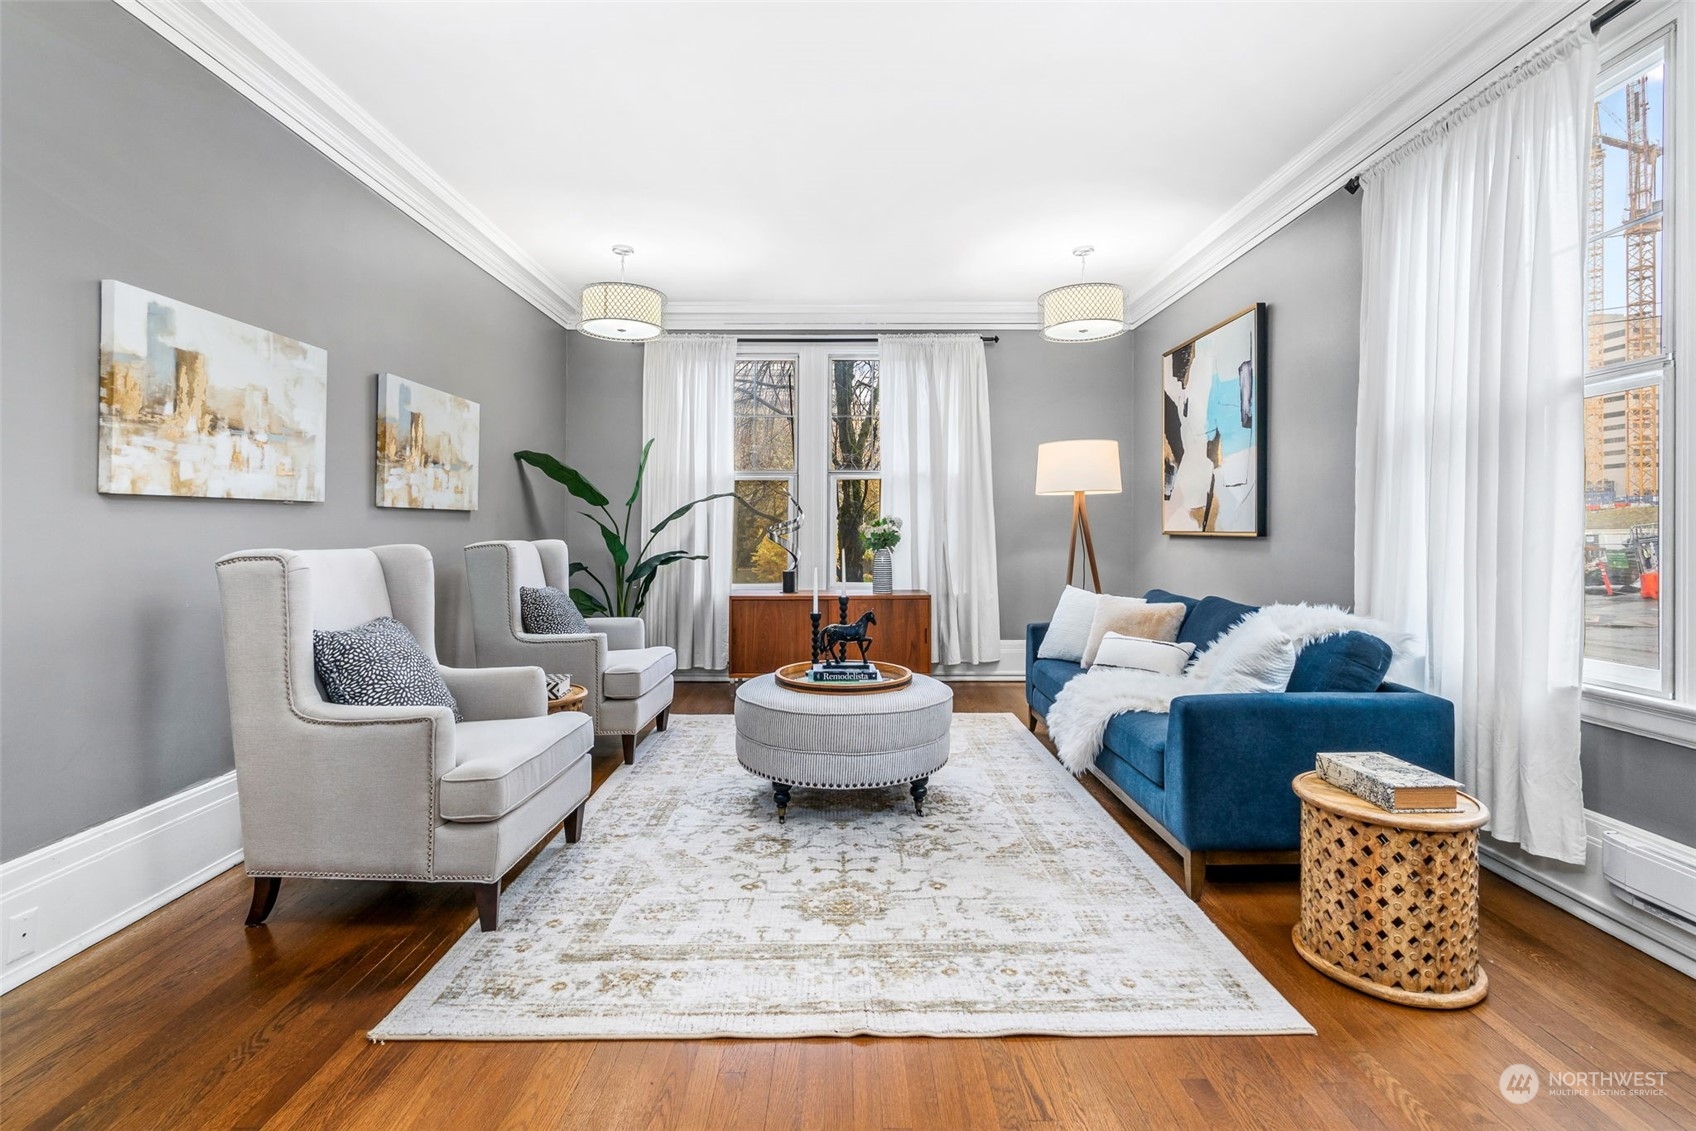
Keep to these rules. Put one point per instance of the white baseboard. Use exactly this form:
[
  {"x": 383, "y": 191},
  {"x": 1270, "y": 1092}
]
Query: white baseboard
[
  {"x": 1009, "y": 668},
  {"x": 1583, "y": 891},
  {"x": 98, "y": 882}
]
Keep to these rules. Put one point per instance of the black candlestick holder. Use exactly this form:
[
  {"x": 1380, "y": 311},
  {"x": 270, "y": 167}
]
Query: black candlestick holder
[{"x": 814, "y": 617}]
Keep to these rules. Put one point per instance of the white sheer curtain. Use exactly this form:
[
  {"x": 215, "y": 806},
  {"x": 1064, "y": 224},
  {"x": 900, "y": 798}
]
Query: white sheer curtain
[
  {"x": 1469, "y": 467},
  {"x": 934, "y": 400},
  {"x": 687, "y": 405}
]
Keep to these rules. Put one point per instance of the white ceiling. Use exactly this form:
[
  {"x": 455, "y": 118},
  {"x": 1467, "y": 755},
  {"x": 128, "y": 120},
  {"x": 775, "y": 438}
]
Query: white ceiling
[{"x": 858, "y": 153}]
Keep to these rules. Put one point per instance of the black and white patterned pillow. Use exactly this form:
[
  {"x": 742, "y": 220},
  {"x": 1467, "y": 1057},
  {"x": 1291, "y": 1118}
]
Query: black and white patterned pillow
[
  {"x": 549, "y": 612},
  {"x": 378, "y": 664}
]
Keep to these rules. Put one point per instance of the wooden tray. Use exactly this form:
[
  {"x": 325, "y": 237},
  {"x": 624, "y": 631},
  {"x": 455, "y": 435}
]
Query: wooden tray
[{"x": 794, "y": 677}]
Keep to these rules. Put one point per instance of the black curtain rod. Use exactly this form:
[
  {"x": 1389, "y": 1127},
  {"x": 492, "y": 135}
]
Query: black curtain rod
[
  {"x": 1597, "y": 22},
  {"x": 1607, "y": 14},
  {"x": 989, "y": 339}
]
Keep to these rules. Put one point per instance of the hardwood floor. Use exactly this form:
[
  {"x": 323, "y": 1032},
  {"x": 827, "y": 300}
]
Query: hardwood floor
[{"x": 187, "y": 1020}]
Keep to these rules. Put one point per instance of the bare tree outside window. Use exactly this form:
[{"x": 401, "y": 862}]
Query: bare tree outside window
[
  {"x": 765, "y": 465},
  {"x": 855, "y": 445}
]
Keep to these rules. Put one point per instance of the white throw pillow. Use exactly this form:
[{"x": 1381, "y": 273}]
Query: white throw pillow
[
  {"x": 1257, "y": 656},
  {"x": 1068, "y": 628},
  {"x": 1168, "y": 657}
]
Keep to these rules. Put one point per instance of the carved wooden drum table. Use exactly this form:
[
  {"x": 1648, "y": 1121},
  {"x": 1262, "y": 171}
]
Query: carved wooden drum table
[
  {"x": 853, "y": 741},
  {"x": 1389, "y": 900}
]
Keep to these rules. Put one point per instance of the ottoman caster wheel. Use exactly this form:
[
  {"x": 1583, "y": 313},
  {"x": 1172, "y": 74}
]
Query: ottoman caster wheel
[
  {"x": 780, "y": 794},
  {"x": 918, "y": 789}
]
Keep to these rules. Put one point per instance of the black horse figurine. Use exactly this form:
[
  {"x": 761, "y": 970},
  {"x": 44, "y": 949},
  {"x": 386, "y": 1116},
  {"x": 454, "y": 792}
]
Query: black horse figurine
[{"x": 837, "y": 637}]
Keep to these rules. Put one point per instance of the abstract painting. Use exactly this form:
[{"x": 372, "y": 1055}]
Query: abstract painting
[
  {"x": 199, "y": 405},
  {"x": 426, "y": 447},
  {"x": 1213, "y": 450}
]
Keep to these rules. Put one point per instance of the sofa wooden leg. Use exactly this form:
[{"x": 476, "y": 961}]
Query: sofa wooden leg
[
  {"x": 663, "y": 719},
  {"x": 264, "y": 898},
  {"x": 1032, "y": 720},
  {"x": 1195, "y": 874},
  {"x": 629, "y": 749},
  {"x": 574, "y": 825},
  {"x": 488, "y": 905}
]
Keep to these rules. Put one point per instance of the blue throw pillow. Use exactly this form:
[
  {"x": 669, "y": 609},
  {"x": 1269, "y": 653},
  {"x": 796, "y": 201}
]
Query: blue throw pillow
[
  {"x": 1349, "y": 661},
  {"x": 1210, "y": 619}
]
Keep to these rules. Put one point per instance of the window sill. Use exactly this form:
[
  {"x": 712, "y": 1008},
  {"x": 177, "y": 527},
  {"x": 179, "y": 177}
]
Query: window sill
[{"x": 1650, "y": 717}]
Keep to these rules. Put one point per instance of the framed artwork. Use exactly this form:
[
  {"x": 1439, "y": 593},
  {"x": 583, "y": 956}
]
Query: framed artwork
[
  {"x": 1213, "y": 429},
  {"x": 426, "y": 447},
  {"x": 202, "y": 406}
]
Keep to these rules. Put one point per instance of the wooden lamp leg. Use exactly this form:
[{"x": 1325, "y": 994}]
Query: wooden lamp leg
[
  {"x": 1072, "y": 538},
  {"x": 1089, "y": 543}
]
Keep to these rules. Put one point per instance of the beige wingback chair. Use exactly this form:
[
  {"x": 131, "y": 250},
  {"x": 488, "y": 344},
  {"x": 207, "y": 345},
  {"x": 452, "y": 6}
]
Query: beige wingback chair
[
  {"x": 393, "y": 792},
  {"x": 629, "y": 685}
]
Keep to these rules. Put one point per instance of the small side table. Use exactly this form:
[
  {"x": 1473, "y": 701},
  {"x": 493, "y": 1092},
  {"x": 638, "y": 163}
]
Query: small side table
[
  {"x": 571, "y": 701},
  {"x": 1389, "y": 901}
]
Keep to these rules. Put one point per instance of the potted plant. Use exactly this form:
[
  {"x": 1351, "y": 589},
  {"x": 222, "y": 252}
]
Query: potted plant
[
  {"x": 632, "y": 572},
  {"x": 882, "y": 534}
]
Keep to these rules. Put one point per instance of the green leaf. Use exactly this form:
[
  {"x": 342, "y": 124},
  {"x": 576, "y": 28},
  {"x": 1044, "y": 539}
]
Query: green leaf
[
  {"x": 615, "y": 545},
  {"x": 687, "y": 507},
  {"x": 641, "y": 469},
  {"x": 571, "y": 477},
  {"x": 648, "y": 565},
  {"x": 587, "y": 603},
  {"x": 579, "y": 567}
]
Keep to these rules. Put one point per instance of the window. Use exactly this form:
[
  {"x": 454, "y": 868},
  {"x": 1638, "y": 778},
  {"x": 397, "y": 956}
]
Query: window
[
  {"x": 808, "y": 433},
  {"x": 765, "y": 465},
  {"x": 1628, "y": 368}
]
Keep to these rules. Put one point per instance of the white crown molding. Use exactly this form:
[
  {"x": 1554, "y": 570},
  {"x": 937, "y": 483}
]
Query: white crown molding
[
  {"x": 829, "y": 316},
  {"x": 1478, "y": 46},
  {"x": 240, "y": 48}
]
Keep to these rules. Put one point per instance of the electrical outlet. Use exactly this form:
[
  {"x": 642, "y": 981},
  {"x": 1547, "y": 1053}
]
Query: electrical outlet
[{"x": 20, "y": 935}]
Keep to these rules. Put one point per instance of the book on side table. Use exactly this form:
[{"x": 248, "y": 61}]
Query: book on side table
[{"x": 1390, "y": 783}]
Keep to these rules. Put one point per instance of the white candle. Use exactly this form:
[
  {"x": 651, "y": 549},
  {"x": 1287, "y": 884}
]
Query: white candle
[
  {"x": 843, "y": 588},
  {"x": 815, "y": 589}
]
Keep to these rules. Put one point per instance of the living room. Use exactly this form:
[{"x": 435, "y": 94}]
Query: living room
[{"x": 847, "y": 565}]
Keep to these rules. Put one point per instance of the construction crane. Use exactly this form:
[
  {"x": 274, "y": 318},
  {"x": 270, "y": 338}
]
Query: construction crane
[{"x": 1641, "y": 331}]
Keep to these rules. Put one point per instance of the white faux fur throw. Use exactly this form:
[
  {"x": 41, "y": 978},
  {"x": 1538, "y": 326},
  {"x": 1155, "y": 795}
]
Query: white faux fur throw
[{"x": 1088, "y": 703}]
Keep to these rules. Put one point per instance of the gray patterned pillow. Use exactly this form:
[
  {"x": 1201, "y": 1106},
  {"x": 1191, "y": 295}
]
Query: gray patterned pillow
[
  {"x": 378, "y": 664},
  {"x": 549, "y": 612}
]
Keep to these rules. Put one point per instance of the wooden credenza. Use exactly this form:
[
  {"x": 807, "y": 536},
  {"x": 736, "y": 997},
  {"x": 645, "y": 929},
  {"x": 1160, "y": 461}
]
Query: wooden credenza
[{"x": 768, "y": 630}]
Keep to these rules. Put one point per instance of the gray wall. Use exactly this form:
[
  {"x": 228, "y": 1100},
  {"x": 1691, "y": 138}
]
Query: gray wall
[
  {"x": 1309, "y": 277},
  {"x": 1641, "y": 781},
  {"x": 124, "y": 159},
  {"x": 1037, "y": 391}
]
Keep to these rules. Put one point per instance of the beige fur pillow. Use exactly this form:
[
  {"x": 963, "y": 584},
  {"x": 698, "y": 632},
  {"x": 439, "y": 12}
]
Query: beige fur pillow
[{"x": 1133, "y": 616}]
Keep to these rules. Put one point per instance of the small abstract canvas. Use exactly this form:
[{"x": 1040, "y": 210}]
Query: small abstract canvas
[
  {"x": 426, "y": 447},
  {"x": 1213, "y": 451},
  {"x": 199, "y": 405}
]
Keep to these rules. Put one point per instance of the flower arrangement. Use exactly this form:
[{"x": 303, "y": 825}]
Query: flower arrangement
[{"x": 883, "y": 533}]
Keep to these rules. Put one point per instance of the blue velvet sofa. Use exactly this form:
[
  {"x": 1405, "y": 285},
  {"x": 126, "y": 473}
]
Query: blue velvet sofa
[{"x": 1212, "y": 777}]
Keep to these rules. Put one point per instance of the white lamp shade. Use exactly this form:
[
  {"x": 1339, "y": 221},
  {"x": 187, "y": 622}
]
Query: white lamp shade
[
  {"x": 1083, "y": 312},
  {"x": 621, "y": 312},
  {"x": 1065, "y": 467}
]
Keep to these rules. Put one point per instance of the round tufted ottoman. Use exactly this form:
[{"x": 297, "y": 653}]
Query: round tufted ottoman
[{"x": 838, "y": 741}]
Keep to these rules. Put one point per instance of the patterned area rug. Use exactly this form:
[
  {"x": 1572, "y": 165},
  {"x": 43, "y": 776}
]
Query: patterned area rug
[{"x": 1014, "y": 905}]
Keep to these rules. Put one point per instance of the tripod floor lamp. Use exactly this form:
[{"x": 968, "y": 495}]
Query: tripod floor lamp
[{"x": 1079, "y": 468}]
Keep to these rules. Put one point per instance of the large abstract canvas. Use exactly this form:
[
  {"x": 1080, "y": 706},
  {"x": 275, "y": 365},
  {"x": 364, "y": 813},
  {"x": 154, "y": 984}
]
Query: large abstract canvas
[
  {"x": 1213, "y": 451},
  {"x": 199, "y": 405},
  {"x": 426, "y": 447}
]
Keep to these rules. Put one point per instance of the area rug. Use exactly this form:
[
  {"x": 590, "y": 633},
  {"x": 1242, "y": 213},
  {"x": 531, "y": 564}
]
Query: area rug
[{"x": 1014, "y": 905}]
